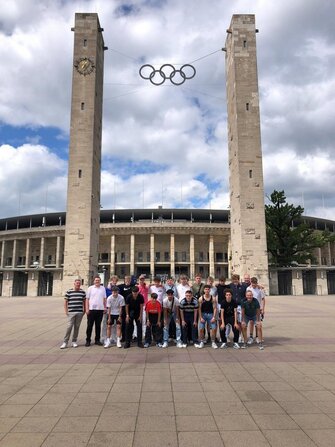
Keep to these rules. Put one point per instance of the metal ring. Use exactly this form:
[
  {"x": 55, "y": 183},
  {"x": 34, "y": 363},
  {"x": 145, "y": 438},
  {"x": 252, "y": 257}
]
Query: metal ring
[
  {"x": 188, "y": 65},
  {"x": 153, "y": 74},
  {"x": 165, "y": 76},
  {"x": 144, "y": 66}
]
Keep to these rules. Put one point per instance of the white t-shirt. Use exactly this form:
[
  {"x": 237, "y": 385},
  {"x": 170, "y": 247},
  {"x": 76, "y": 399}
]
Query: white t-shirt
[
  {"x": 96, "y": 296},
  {"x": 115, "y": 303},
  {"x": 167, "y": 304},
  {"x": 160, "y": 293},
  {"x": 181, "y": 290}
]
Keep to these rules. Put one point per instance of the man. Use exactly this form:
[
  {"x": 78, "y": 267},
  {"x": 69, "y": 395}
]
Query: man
[
  {"x": 221, "y": 288},
  {"x": 229, "y": 320},
  {"x": 171, "y": 312},
  {"x": 197, "y": 286},
  {"x": 134, "y": 311},
  {"x": 251, "y": 315},
  {"x": 144, "y": 291},
  {"x": 95, "y": 309},
  {"x": 153, "y": 310},
  {"x": 213, "y": 289},
  {"x": 115, "y": 302},
  {"x": 183, "y": 287},
  {"x": 124, "y": 290},
  {"x": 259, "y": 294},
  {"x": 189, "y": 318},
  {"x": 74, "y": 307},
  {"x": 207, "y": 316}
]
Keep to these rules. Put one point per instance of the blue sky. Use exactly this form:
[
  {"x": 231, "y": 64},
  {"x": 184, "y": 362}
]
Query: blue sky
[{"x": 166, "y": 145}]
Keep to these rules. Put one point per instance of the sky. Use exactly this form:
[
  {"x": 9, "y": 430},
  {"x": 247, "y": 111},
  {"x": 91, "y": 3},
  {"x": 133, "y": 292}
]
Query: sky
[{"x": 166, "y": 145}]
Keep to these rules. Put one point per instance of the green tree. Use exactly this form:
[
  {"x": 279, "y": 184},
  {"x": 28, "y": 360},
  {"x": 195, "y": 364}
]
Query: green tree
[{"x": 289, "y": 239}]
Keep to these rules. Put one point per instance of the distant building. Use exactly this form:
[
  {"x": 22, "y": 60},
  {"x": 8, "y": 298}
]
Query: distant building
[{"x": 150, "y": 241}]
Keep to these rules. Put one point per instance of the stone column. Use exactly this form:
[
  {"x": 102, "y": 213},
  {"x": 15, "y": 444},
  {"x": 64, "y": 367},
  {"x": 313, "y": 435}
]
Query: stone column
[
  {"x": 132, "y": 254},
  {"x": 3, "y": 254},
  {"x": 112, "y": 269},
  {"x": 58, "y": 252},
  {"x": 14, "y": 253},
  {"x": 152, "y": 255},
  {"x": 192, "y": 257},
  {"x": 329, "y": 254},
  {"x": 28, "y": 246},
  {"x": 42, "y": 249},
  {"x": 211, "y": 256},
  {"x": 172, "y": 261}
]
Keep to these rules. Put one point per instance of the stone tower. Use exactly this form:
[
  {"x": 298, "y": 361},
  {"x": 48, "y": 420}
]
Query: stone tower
[
  {"x": 83, "y": 195},
  {"x": 248, "y": 234}
]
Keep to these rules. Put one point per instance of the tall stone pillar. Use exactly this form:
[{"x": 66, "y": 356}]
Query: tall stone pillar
[
  {"x": 172, "y": 258},
  {"x": 192, "y": 257},
  {"x": 152, "y": 255},
  {"x": 112, "y": 268},
  {"x": 3, "y": 245},
  {"x": 58, "y": 251},
  {"x": 14, "y": 253},
  {"x": 211, "y": 256},
  {"x": 42, "y": 252},
  {"x": 132, "y": 254},
  {"x": 247, "y": 216},
  {"x": 28, "y": 252},
  {"x": 83, "y": 195}
]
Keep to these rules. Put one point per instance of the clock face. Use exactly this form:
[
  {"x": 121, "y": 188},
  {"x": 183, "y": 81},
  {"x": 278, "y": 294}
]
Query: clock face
[{"x": 84, "y": 66}]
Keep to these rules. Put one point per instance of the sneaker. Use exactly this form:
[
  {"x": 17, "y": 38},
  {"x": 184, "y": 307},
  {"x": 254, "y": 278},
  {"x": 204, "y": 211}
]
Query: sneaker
[
  {"x": 214, "y": 345},
  {"x": 118, "y": 342},
  {"x": 236, "y": 346},
  {"x": 244, "y": 346},
  {"x": 250, "y": 341},
  {"x": 127, "y": 345},
  {"x": 165, "y": 345},
  {"x": 107, "y": 343},
  {"x": 63, "y": 345},
  {"x": 159, "y": 345},
  {"x": 146, "y": 345},
  {"x": 88, "y": 343},
  {"x": 74, "y": 344},
  {"x": 224, "y": 346},
  {"x": 261, "y": 347},
  {"x": 184, "y": 345},
  {"x": 199, "y": 345},
  {"x": 98, "y": 343},
  {"x": 179, "y": 345}
]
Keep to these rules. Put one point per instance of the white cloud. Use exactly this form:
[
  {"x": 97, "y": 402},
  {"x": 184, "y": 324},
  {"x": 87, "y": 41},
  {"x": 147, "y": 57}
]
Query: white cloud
[{"x": 180, "y": 131}]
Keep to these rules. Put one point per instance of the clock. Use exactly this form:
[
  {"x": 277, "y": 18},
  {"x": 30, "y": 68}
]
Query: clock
[{"x": 84, "y": 66}]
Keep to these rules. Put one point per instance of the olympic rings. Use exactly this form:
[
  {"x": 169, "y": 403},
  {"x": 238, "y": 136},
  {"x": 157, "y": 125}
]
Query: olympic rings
[{"x": 167, "y": 71}]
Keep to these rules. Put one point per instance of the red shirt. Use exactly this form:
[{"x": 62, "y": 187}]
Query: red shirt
[{"x": 153, "y": 307}]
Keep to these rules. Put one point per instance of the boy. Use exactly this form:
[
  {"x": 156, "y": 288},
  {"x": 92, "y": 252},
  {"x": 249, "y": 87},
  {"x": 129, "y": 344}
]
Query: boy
[
  {"x": 207, "y": 316},
  {"x": 74, "y": 306},
  {"x": 115, "y": 302},
  {"x": 153, "y": 310},
  {"x": 229, "y": 317},
  {"x": 189, "y": 318},
  {"x": 171, "y": 312}
]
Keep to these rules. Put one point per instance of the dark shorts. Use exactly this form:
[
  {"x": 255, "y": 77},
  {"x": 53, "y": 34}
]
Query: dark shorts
[{"x": 114, "y": 319}]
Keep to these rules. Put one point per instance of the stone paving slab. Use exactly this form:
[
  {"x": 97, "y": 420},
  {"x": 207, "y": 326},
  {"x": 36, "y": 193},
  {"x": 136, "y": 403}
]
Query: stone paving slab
[{"x": 282, "y": 396}]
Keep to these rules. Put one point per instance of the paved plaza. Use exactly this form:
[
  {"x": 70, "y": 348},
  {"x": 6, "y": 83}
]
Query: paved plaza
[{"x": 282, "y": 396}]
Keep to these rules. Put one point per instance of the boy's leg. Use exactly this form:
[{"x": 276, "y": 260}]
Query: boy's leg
[
  {"x": 98, "y": 320},
  {"x": 166, "y": 330},
  {"x": 147, "y": 337},
  {"x": 139, "y": 331},
  {"x": 90, "y": 322},
  {"x": 178, "y": 329}
]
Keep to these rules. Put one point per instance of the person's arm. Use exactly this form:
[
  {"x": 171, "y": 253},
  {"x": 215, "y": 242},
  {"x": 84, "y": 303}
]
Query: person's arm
[
  {"x": 235, "y": 318},
  {"x": 87, "y": 305},
  {"x": 141, "y": 312},
  {"x": 195, "y": 322},
  {"x": 222, "y": 318},
  {"x": 182, "y": 316},
  {"x": 215, "y": 309},
  {"x": 127, "y": 312},
  {"x": 200, "y": 314},
  {"x": 66, "y": 306},
  {"x": 159, "y": 316},
  {"x": 263, "y": 305}
]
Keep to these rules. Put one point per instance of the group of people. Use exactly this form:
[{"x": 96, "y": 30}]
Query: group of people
[{"x": 195, "y": 313}]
